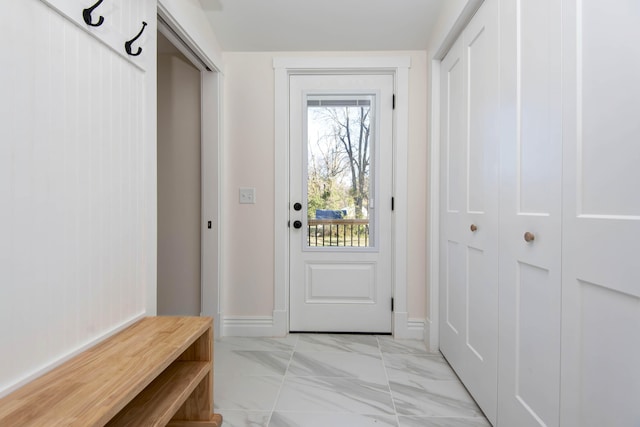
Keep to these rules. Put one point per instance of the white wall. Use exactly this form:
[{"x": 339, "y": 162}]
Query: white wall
[
  {"x": 179, "y": 207},
  {"x": 78, "y": 176},
  {"x": 74, "y": 115},
  {"x": 248, "y": 246},
  {"x": 248, "y": 276},
  {"x": 417, "y": 191}
]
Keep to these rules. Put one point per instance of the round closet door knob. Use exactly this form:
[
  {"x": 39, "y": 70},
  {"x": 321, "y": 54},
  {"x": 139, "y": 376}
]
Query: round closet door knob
[
  {"x": 473, "y": 228},
  {"x": 529, "y": 237},
  {"x": 297, "y": 224}
]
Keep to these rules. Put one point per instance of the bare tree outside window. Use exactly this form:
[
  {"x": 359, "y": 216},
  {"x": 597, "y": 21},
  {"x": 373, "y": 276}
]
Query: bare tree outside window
[
  {"x": 339, "y": 162},
  {"x": 341, "y": 157},
  {"x": 327, "y": 166}
]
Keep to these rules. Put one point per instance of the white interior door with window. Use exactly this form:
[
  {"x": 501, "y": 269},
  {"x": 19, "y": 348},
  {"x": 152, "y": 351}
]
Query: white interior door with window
[
  {"x": 469, "y": 204},
  {"x": 340, "y": 160}
]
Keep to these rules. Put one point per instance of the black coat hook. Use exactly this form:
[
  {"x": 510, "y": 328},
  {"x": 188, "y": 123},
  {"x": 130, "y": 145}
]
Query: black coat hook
[
  {"x": 86, "y": 14},
  {"x": 128, "y": 44}
]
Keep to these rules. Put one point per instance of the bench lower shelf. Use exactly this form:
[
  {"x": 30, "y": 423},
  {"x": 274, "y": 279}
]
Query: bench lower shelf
[{"x": 161, "y": 399}]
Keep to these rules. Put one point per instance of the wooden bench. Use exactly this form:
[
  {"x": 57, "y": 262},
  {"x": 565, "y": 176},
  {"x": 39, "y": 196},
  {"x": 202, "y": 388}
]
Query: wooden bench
[{"x": 157, "y": 372}]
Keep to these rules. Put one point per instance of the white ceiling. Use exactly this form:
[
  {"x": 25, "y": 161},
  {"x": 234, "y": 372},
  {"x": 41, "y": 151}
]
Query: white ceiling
[{"x": 322, "y": 25}]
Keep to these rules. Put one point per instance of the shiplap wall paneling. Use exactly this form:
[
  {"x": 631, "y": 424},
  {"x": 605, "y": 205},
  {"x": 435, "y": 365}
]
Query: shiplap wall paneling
[
  {"x": 122, "y": 20},
  {"x": 72, "y": 258}
]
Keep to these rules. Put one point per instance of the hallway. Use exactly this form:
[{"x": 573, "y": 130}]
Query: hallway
[{"x": 308, "y": 380}]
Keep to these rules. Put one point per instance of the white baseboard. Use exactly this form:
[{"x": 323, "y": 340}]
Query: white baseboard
[
  {"x": 431, "y": 336},
  {"x": 276, "y": 326},
  {"x": 255, "y": 326},
  {"x": 408, "y": 329},
  {"x": 416, "y": 329}
]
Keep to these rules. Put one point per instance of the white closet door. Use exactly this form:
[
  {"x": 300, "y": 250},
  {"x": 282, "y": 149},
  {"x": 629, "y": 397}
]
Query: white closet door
[
  {"x": 452, "y": 155},
  {"x": 601, "y": 222},
  {"x": 531, "y": 167},
  {"x": 469, "y": 207}
]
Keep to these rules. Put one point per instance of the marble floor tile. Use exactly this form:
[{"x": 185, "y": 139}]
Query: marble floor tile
[
  {"x": 390, "y": 345},
  {"x": 417, "y": 366},
  {"x": 337, "y": 343},
  {"x": 432, "y": 398},
  {"x": 257, "y": 343},
  {"x": 443, "y": 422},
  {"x": 313, "y": 380},
  {"x": 351, "y": 365},
  {"x": 249, "y": 362},
  {"x": 345, "y": 395},
  {"x": 245, "y": 418},
  {"x": 245, "y": 393},
  {"x": 308, "y": 419}
]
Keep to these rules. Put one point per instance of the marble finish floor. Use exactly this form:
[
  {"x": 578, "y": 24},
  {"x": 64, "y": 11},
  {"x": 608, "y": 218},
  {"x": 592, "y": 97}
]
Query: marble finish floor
[{"x": 337, "y": 380}]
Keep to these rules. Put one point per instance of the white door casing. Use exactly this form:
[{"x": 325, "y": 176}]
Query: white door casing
[
  {"x": 469, "y": 206},
  {"x": 601, "y": 214},
  {"x": 530, "y": 201},
  {"x": 342, "y": 289}
]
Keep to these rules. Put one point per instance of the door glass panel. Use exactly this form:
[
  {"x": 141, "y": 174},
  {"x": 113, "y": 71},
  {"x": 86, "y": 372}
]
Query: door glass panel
[{"x": 339, "y": 172}]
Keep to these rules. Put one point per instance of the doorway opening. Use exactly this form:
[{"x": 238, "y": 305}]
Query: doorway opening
[
  {"x": 198, "y": 159},
  {"x": 179, "y": 177}
]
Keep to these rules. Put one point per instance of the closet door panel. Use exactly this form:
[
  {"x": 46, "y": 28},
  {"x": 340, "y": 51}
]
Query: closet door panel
[
  {"x": 452, "y": 196},
  {"x": 455, "y": 289},
  {"x": 479, "y": 128},
  {"x": 601, "y": 227},
  {"x": 478, "y": 323},
  {"x": 482, "y": 201},
  {"x": 454, "y": 92},
  {"x": 608, "y": 101},
  {"x": 469, "y": 200},
  {"x": 530, "y": 271},
  {"x": 538, "y": 118},
  {"x": 481, "y": 44}
]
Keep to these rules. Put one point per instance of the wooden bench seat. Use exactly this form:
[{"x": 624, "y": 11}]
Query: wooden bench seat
[{"x": 156, "y": 372}]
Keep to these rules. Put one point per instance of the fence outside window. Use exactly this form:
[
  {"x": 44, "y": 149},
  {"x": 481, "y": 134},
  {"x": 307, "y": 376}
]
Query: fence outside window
[{"x": 338, "y": 232}]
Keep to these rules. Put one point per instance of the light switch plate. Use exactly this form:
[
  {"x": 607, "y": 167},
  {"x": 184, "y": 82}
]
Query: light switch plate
[{"x": 247, "y": 195}]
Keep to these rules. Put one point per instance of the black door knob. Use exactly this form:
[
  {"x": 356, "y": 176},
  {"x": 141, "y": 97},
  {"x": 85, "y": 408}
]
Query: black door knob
[
  {"x": 297, "y": 206},
  {"x": 297, "y": 224}
]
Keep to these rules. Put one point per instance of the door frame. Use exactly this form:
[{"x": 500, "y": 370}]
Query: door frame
[
  {"x": 457, "y": 24},
  {"x": 398, "y": 67},
  {"x": 172, "y": 23}
]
